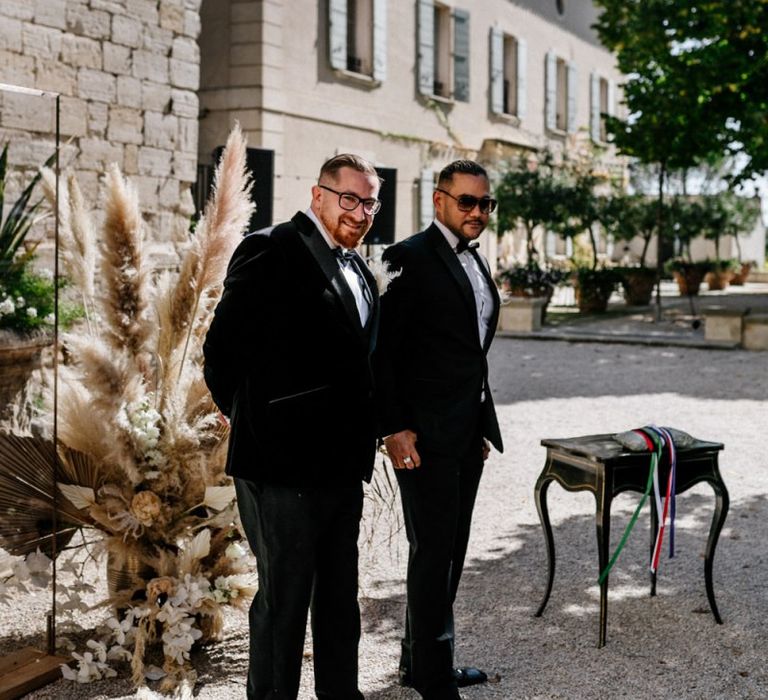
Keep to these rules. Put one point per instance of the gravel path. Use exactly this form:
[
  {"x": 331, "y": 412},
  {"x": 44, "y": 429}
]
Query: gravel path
[{"x": 662, "y": 647}]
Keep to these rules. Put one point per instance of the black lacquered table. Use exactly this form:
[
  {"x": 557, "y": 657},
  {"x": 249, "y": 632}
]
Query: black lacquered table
[{"x": 599, "y": 464}]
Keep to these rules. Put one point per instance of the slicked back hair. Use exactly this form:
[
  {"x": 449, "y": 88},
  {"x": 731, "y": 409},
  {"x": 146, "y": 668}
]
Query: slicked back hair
[
  {"x": 332, "y": 166},
  {"x": 462, "y": 167}
]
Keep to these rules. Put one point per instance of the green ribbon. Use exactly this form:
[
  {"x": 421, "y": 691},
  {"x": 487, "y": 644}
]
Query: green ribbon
[{"x": 655, "y": 456}]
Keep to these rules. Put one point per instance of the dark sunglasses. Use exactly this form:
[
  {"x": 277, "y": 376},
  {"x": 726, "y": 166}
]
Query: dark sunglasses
[{"x": 466, "y": 202}]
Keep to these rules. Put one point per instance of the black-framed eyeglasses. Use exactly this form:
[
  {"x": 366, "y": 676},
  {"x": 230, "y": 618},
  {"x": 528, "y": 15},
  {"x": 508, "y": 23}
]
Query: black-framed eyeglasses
[
  {"x": 350, "y": 202},
  {"x": 467, "y": 202}
]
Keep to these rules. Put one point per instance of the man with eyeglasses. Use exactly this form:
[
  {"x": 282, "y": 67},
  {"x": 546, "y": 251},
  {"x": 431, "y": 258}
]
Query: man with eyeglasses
[
  {"x": 438, "y": 319},
  {"x": 288, "y": 360}
]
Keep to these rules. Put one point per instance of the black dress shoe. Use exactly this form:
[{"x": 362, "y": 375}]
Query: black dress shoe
[
  {"x": 469, "y": 675},
  {"x": 465, "y": 676}
]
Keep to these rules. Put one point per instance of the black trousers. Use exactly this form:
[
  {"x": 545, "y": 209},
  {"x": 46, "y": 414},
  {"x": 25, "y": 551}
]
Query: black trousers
[
  {"x": 305, "y": 542},
  {"x": 438, "y": 498}
]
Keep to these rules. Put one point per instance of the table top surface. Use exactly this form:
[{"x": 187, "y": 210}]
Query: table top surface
[{"x": 604, "y": 448}]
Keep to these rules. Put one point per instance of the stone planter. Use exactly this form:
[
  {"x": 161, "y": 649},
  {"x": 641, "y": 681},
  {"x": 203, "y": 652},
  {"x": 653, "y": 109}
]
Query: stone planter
[
  {"x": 522, "y": 314},
  {"x": 20, "y": 355}
]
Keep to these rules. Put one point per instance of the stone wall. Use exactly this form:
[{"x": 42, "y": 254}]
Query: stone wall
[{"x": 128, "y": 73}]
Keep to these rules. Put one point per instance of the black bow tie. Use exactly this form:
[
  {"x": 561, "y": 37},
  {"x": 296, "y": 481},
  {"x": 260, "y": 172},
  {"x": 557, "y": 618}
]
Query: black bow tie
[
  {"x": 344, "y": 255},
  {"x": 464, "y": 244}
]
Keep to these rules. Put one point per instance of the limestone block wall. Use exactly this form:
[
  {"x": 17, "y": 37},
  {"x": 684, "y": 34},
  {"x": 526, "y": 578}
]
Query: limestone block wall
[{"x": 128, "y": 73}]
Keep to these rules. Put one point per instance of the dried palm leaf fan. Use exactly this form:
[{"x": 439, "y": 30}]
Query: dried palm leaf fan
[{"x": 26, "y": 494}]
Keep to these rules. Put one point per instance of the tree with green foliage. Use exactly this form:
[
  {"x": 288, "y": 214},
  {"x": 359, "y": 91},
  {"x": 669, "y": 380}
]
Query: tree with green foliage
[
  {"x": 627, "y": 217},
  {"x": 527, "y": 195},
  {"x": 697, "y": 71}
]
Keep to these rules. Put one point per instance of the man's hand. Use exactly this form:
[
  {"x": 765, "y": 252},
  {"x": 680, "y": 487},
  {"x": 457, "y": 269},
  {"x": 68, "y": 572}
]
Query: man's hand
[
  {"x": 486, "y": 449},
  {"x": 401, "y": 448}
]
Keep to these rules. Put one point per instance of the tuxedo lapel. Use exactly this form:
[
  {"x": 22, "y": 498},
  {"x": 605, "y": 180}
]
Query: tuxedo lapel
[
  {"x": 494, "y": 320},
  {"x": 451, "y": 260},
  {"x": 372, "y": 325},
  {"x": 322, "y": 254}
]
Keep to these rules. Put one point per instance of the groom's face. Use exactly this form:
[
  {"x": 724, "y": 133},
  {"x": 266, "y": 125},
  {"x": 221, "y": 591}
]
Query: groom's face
[{"x": 347, "y": 228}]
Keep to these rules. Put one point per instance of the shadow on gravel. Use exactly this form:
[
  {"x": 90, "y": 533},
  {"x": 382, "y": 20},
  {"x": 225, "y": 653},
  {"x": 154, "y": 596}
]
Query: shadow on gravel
[
  {"x": 666, "y": 646},
  {"x": 526, "y": 370}
]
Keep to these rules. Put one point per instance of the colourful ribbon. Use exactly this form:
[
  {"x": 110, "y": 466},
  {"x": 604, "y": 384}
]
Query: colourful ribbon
[{"x": 656, "y": 439}]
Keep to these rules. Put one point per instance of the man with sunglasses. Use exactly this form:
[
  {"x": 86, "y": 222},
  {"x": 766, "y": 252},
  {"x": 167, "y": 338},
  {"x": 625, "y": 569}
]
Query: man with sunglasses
[
  {"x": 438, "y": 319},
  {"x": 288, "y": 359}
]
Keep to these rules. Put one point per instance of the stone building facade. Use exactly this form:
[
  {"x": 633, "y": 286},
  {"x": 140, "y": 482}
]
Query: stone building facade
[
  {"x": 155, "y": 86},
  {"x": 411, "y": 84},
  {"x": 128, "y": 74}
]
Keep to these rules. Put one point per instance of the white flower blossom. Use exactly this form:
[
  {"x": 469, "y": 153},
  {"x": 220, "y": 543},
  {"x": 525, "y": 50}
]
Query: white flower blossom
[
  {"x": 31, "y": 312},
  {"x": 20, "y": 302},
  {"x": 50, "y": 319},
  {"x": 235, "y": 551},
  {"x": 7, "y": 306}
]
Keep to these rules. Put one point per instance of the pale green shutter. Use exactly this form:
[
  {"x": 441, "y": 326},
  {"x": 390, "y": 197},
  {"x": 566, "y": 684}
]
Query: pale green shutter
[
  {"x": 461, "y": 55},
  {"x": 550, "y": 109},
  {"x": 426, "y": 207},
  {"x": 594, "y": 106},
  {"x": 522, "y": 77},
  {"x": 380, "y": 40},
  {"x": 572, "y": 82},
  {"x": 611, "y": 98},
  {"x": 337, "y": 33},
  {"x": 426, "y": 52},
  {"x": 497, "y": 70}
]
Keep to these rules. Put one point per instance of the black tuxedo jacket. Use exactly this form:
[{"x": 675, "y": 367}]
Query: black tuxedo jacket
[
  {"x": 287, "y": 359},
  {"x": 430, "y": 362}
]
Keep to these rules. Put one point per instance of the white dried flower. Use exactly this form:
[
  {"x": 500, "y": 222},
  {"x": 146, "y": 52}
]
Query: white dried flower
[{"x": 235, "y": 551}]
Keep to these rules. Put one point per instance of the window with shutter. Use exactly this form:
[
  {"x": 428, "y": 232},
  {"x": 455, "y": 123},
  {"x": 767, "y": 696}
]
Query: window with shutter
[
  {"x": 443, "y": 51},
  {"x": 560, "y": 84},
  {"x": 357, "y": 36},
  {"x": 507, "y": 74}
]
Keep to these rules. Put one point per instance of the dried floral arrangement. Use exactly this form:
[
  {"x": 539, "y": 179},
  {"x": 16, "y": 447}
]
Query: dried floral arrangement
[{"x": 141, "y": 444}]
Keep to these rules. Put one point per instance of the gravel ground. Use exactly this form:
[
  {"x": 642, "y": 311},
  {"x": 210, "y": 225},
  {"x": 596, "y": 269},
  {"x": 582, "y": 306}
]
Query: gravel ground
[{"x": 663, "y": 647}]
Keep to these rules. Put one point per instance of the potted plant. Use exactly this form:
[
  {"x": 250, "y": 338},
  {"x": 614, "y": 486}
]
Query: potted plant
[
  {"x": 741, "y": 275},
  {"x": 26, "y": 296},
  {"x": 594, "y": 287},
  {"x": 721, "y": 273},
  {"x": 526, "y": 291},
  {"x": 688, "y": 275},
  {"x": 629, "y": 217}
]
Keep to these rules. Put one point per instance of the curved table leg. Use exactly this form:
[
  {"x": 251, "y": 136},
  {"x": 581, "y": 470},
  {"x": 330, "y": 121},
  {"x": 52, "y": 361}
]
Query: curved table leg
[
  {"x": 718, "y": 520},
  {"x": 540, "y": 496},
  {"x": 603, "y": 527}
]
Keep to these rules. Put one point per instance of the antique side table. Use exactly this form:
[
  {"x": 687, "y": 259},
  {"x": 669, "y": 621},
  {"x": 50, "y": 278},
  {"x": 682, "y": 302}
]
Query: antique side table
[{"x": 599, "y": 464}]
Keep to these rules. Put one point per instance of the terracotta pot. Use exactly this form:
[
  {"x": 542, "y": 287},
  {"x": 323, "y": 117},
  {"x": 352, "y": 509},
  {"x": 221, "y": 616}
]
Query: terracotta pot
[
  {"x": 718, "y": 280},
  {"x": 740, "y": 277},
  {"x": 592, "y": 299},
  {"x": 689, "y": 281},
  {"x": 638, "y": 286}
]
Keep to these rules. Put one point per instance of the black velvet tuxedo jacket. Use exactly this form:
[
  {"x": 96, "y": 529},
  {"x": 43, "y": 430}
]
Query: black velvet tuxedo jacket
[
  {"x": 430, "y": 362},
  {"x": 286, "y": 358}
]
